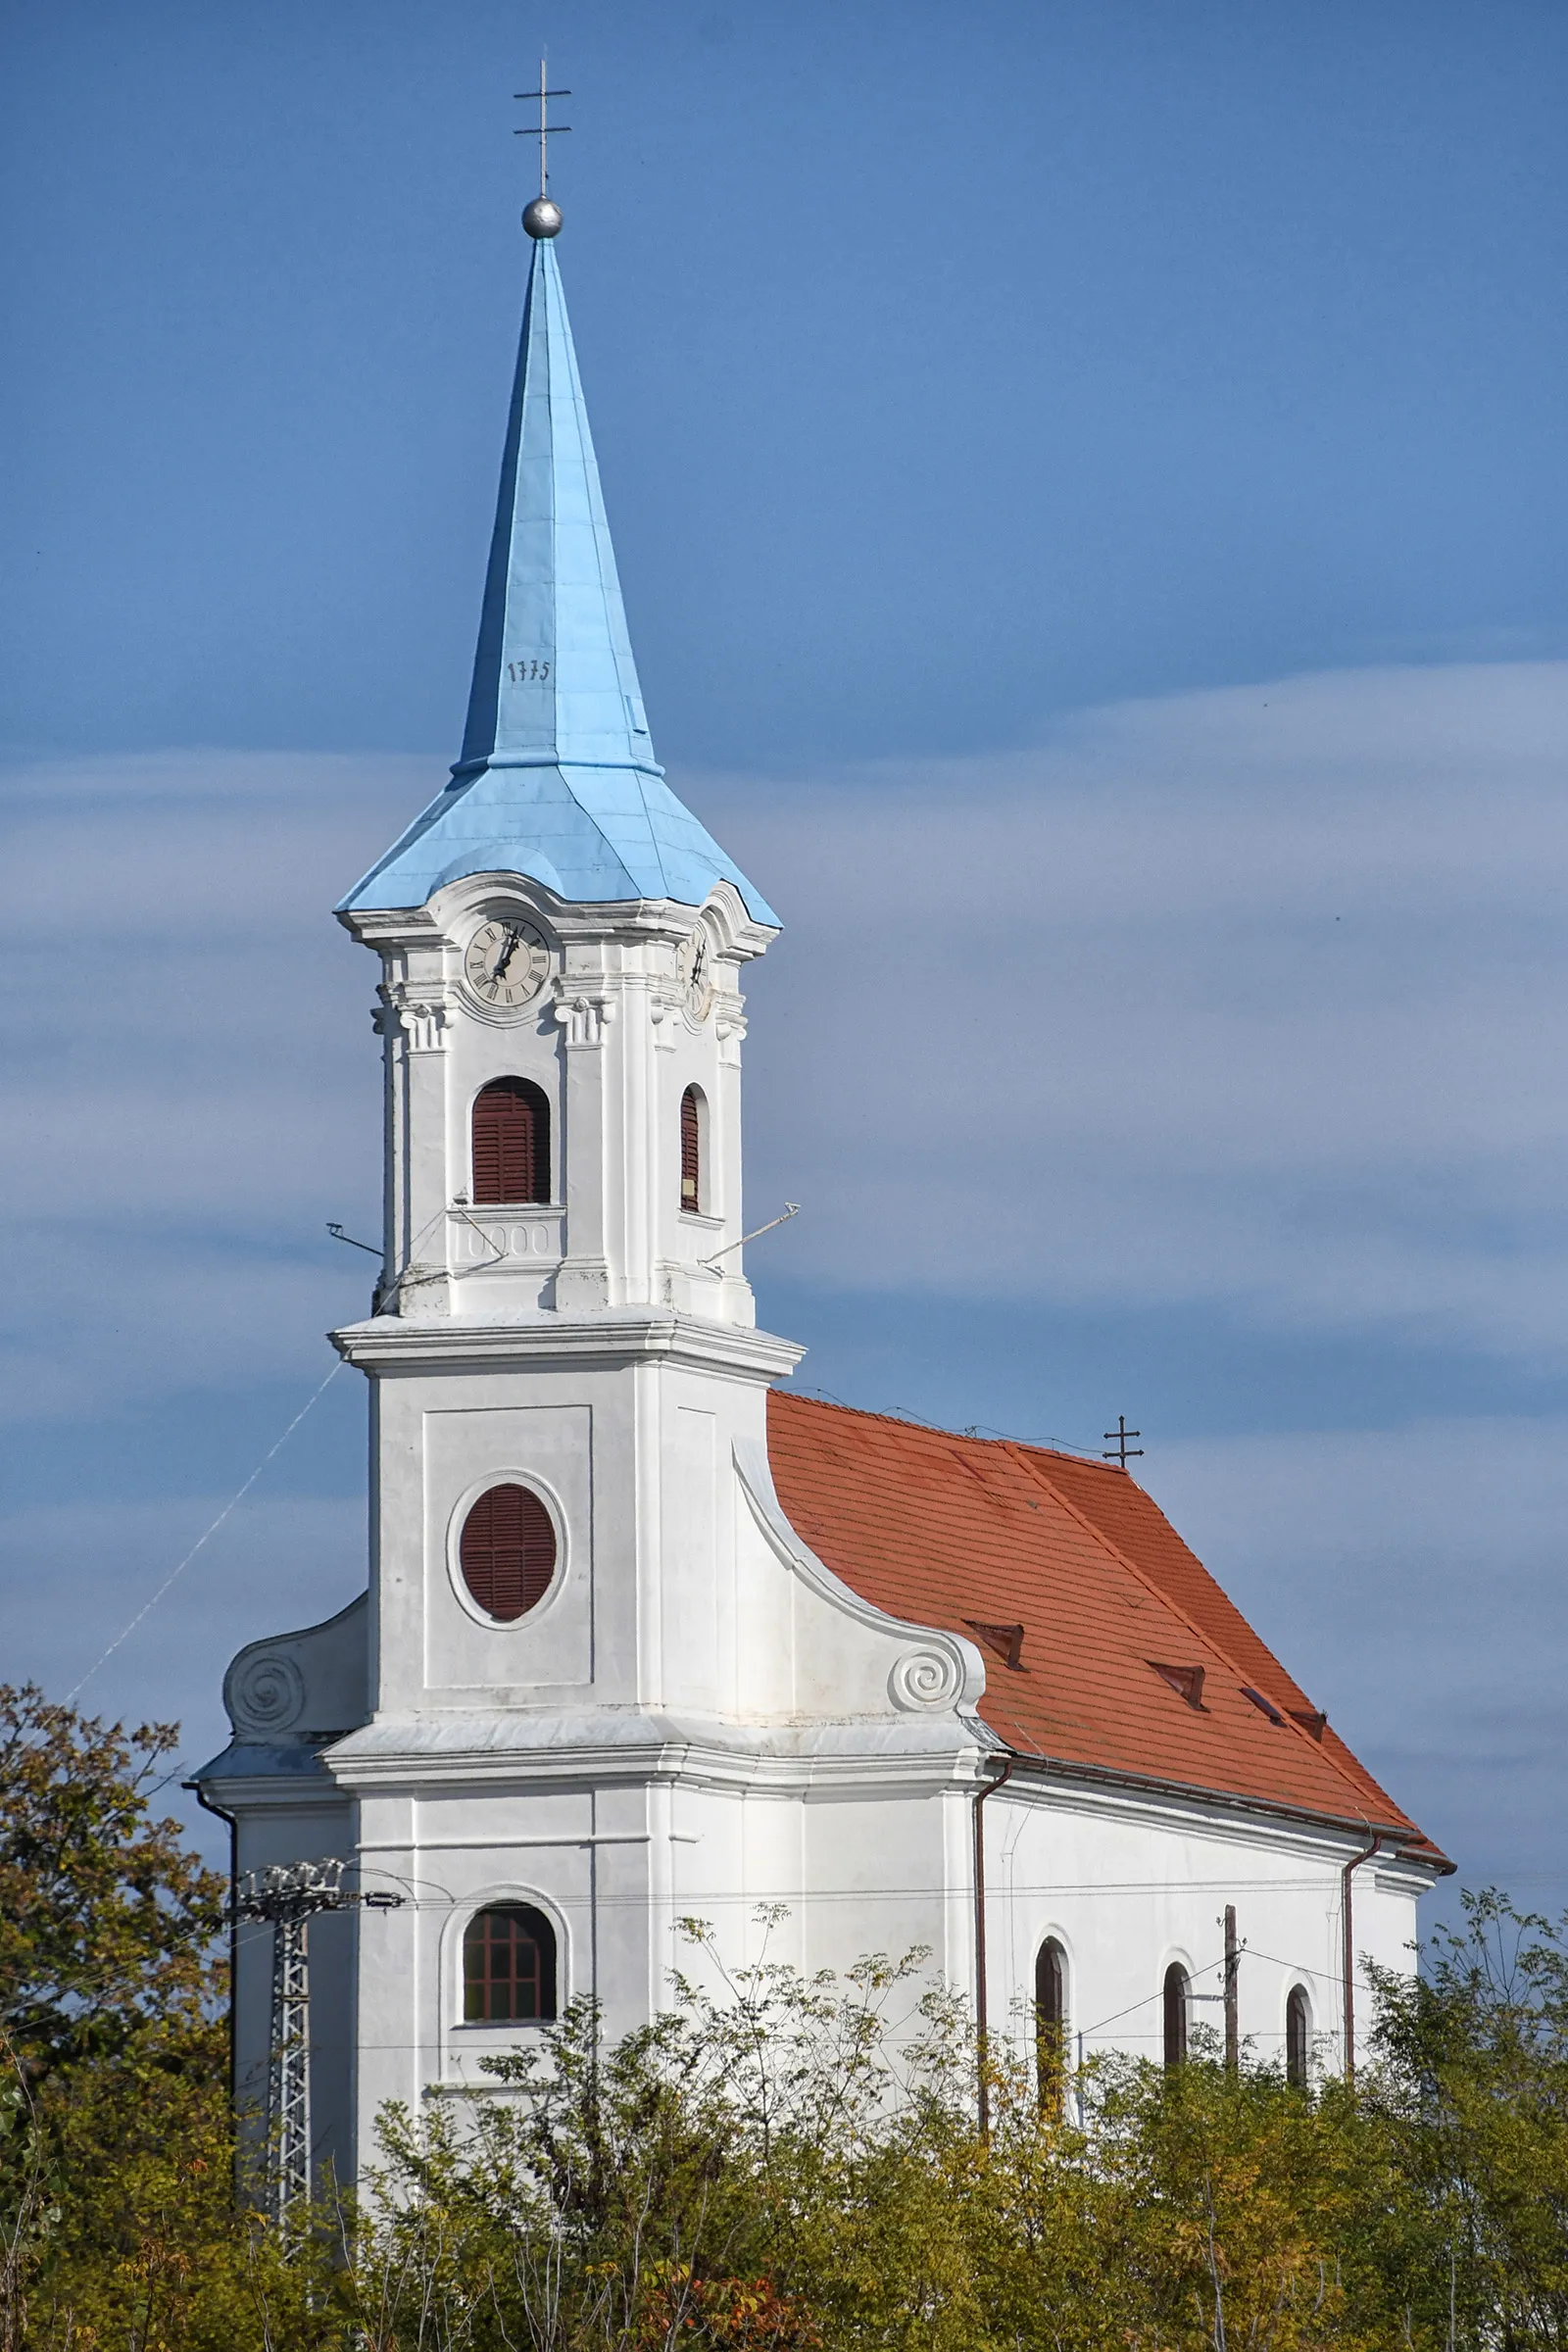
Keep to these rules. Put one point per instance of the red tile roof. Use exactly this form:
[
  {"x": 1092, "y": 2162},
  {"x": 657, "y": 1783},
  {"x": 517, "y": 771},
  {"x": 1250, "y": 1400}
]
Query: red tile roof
[{"x": 1132, "y": 1662}]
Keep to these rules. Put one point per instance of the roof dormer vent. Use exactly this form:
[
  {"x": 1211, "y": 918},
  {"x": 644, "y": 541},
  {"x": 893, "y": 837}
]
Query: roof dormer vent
[
  {"x": 1186, "y": 1680},
  {"x": 1005, "y": 1640}
]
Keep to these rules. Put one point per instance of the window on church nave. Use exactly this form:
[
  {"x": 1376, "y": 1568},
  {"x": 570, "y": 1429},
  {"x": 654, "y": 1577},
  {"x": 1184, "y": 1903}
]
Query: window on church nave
[
  {"x": 510, "y": 1142},
  {"x": 691, "y": 1152},
  {"x": 1178, "y": 1995},
  {"x": 509, "y": 1967},
  {"x": 506, "y": 1552},
  {"x": 1298, "y": 2037},
  {"x": 1051, "y": 2021}
]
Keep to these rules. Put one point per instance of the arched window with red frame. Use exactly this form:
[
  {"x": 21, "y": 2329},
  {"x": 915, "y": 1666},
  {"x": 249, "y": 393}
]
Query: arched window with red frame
[
  {"x": 509, "y": 1967},
  {"x": 510, "y": 1142}
]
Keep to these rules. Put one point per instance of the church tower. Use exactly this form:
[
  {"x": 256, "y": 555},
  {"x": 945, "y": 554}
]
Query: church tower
[
  {"x": 561, "y": 943},
  {"x": 562, "y": 1356}
]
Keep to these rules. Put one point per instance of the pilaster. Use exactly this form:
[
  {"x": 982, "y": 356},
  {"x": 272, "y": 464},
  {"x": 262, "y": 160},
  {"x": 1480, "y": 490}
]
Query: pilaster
[{"x": 585, "y": 1010}]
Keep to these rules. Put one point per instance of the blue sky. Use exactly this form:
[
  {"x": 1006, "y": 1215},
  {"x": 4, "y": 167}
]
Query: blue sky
[{"x": 1089, "y": 491}]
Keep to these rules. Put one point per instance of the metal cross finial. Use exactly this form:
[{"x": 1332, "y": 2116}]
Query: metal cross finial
[
  {"x": 1120, "y": 1451},
  {"x": 546, "y": 126}
]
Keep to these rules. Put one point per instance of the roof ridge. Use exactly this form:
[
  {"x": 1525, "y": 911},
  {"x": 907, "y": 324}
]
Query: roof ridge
[
  {"x": 939, "y": 1429},
  {"x": 1217, "y": 1650}
]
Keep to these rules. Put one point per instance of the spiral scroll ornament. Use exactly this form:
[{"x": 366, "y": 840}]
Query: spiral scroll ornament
[
  {"x": 924, "y": 1679},
  {"x": 265, "y": 1694}
]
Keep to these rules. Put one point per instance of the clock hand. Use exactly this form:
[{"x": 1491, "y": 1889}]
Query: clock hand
[{"x": 514, "y": 942}]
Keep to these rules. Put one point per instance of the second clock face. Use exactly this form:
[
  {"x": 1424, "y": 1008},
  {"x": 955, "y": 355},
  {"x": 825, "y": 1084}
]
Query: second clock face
[
  {"x": 693, "y": 962},
  {"x": 505, "y": 964}
]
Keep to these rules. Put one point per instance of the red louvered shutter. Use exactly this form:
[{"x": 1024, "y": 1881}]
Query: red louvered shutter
[
  {"x": 510, "y": 1142},
  {"x": 507, "y": 1552},
  {"x": 691, "y": 1154}
]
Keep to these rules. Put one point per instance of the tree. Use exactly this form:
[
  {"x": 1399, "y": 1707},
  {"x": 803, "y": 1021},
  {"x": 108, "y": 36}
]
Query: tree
[
  {"x": 107, "y": 1920},
  {"x": 118, "y": 2218},
  {"x": 1473, "y": 2084}
]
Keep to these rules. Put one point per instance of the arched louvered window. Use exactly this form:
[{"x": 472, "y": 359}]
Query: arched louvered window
[
  {"x": 1051, "y": 2021},
  {"x": 509, "y": 1966},
  {"x": 691, "y": 1152},
  {"x": 1298, "y": 2037},
  {"x": 506, "y": 1552},
  {"x": 511, "y": 1141},
  {"x": 1178, "y": 1993}
]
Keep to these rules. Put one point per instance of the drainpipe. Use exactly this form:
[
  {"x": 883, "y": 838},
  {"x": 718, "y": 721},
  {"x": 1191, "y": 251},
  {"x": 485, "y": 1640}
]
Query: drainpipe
[
  {"x": 1373, "y": 1848},
  {"x": 208, "y": 1806},
  {"x": 981, "y": 2006}
]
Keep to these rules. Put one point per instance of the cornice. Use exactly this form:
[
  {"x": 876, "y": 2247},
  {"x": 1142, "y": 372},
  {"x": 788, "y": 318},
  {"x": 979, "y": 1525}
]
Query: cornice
[
  {"x": 391, "y": 926},
  {"x": 615, "y": 1336},
  {"x": 626, "y": 921},
  {"x": 879, "y": 1756}
]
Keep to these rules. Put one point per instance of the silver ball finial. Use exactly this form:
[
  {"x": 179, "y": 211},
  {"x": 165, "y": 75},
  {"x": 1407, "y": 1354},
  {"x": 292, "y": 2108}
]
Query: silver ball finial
[{"x": 542, "y": 218}]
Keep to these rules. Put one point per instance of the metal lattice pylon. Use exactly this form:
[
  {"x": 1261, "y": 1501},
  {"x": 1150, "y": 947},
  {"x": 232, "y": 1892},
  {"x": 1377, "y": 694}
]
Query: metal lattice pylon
[
  {"x": 289, "y": 1896},
  {"x": 288, "y": 2074}
]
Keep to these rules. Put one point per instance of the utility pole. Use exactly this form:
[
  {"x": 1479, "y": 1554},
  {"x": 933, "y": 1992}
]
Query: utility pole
[
  {"x": 1233, "y": 1970},
  {"x": 289, "y": 1895}
]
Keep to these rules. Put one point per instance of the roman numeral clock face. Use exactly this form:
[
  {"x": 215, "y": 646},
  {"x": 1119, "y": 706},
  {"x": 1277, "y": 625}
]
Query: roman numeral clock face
[{"x": 505, "y": 964}]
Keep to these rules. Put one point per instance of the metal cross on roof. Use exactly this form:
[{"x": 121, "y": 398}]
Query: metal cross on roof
[
  {"x": 1119, "y": 1450},
  {"x": 527, "y": 130}
]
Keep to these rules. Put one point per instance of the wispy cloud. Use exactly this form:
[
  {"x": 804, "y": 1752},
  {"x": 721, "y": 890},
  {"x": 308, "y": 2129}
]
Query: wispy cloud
[
  {"x": 191, "y": 1086},
  {"x": 1250, "y": 996},
  {"x": 1247, "y": 997}
]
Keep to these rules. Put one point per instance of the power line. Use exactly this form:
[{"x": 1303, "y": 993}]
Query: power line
[{"x": 205, "y": 1537}]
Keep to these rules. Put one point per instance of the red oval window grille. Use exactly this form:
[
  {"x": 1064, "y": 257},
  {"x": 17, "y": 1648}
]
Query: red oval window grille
[{"x": 507, "y": 1552}]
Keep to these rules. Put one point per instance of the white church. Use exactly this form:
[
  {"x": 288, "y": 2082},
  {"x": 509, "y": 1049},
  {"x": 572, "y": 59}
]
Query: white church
[{"x": 648, "y": 1635}]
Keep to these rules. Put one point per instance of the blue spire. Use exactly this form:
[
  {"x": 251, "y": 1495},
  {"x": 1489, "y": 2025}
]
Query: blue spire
[
  {"x": 554, "y": 680},
  {"x": 558, "y": 777}
]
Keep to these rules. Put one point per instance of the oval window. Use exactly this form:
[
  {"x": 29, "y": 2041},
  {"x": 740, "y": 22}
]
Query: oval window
[{"x": 506, "y": 1552}]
